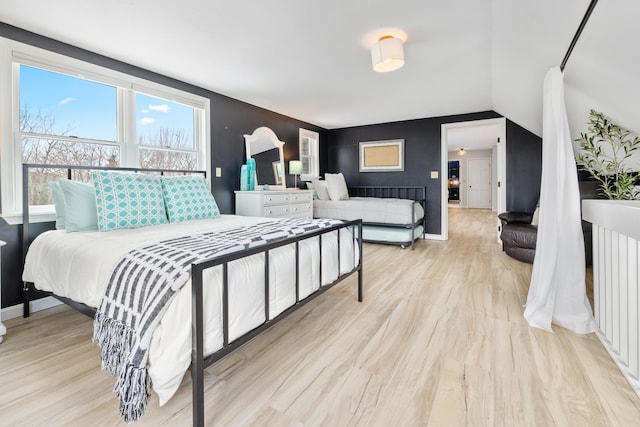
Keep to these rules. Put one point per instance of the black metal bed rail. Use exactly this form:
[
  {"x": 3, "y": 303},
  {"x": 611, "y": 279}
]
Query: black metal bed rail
[
  {"x": 413, "y": 192},
  {"x": 27, "y": 167},
  {"x": 198, "y": 361}
]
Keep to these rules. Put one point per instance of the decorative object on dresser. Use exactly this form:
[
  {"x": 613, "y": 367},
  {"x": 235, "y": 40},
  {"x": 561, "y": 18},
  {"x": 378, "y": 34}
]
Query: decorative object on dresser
[
  {"x": 276, "y": 203},
  {"x": 265, "y": 149}
]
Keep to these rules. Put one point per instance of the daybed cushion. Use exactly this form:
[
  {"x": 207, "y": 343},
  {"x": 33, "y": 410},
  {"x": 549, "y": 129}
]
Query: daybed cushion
[
  {"x": 337, "y": 186},
  {"x": 128, "y": 200},
  {"x": 369, "y": 209},
  {"x": 321, "y": 189},
  {"x": 80, "y": 205},
  {"x": 187, "y": 198}
]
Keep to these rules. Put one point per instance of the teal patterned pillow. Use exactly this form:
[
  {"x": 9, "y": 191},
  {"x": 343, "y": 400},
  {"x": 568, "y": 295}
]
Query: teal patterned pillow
[
  {"x": 188, "y": 197},
  {"x": 128, "y": 200}
]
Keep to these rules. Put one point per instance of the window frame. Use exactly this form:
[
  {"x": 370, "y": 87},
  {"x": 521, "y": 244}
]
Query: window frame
[
  {"x": 13, "y": 53},
  {"x": 314, "y": 163}
]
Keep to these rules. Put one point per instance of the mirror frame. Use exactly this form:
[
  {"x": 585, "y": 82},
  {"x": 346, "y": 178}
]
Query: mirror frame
[{"x": 261, "y": 140}]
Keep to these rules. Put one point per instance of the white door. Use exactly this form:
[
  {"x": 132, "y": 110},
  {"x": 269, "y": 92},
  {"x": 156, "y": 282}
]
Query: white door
[{"x": 479, "y": 183}]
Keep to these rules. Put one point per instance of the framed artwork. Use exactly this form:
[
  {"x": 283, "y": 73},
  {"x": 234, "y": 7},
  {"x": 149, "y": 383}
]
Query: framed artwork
[{"x": 382, "y": 156}]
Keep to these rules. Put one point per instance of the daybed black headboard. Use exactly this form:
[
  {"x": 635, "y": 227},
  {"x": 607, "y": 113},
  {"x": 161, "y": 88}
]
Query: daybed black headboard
[{"x": 415, "y": 193}]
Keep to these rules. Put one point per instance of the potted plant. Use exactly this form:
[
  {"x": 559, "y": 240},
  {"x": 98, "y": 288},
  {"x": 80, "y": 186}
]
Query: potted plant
[{"x": 604, "y": 152}]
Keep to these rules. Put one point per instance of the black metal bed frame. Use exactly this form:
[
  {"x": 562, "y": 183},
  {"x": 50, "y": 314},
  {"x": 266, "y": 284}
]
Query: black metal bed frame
[
  {"x": 198, "y": 361},
  {"x": 416, "y": 193}
]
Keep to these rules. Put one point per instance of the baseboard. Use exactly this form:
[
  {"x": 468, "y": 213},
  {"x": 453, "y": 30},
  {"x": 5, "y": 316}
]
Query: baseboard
[
  {"x": 433, "y": 237},
  {"x": 35, "y": 305}
]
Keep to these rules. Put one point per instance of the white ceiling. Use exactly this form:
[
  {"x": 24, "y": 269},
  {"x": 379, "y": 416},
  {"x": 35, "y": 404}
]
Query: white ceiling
[
  {"x": 311, "y": 60},
  {"x": 481, "y": 137}
]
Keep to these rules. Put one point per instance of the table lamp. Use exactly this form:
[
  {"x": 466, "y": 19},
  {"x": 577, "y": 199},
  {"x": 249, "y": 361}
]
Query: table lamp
[{"x": 295, "y": 169}]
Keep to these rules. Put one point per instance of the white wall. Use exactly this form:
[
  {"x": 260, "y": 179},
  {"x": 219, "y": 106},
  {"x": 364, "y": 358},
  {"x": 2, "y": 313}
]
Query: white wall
[
  {"x": 528, "y": 38},
  {"x": 464, "y": 184}
]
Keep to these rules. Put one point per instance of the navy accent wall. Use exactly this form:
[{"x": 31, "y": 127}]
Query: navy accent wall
[
  {"x": 524, "y": 168},
  {"x": 422, "y": 155},
  {"x": 230, "y": 120}
]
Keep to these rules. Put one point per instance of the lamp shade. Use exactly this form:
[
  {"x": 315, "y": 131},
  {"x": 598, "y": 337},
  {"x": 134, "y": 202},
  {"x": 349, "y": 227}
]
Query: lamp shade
[
  {"x": 295, "y": 167},
  {"x": 387, "y": 54}
]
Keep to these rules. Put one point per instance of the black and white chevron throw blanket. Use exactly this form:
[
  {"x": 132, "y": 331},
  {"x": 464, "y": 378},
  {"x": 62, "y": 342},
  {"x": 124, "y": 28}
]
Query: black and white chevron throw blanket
[{"x": 143, "y": 283}]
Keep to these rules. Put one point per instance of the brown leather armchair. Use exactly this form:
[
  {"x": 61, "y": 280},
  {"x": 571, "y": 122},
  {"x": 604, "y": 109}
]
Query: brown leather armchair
[{"x": 519, "y": 236}]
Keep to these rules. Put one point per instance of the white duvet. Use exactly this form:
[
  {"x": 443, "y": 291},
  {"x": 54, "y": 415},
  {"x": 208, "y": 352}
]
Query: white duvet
[{"x": 78, "y": 266}]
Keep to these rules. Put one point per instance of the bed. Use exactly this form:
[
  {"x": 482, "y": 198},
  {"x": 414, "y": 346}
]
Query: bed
[
  {"x": 390, "y": 214},
  {"x": 259, "y": 271}
]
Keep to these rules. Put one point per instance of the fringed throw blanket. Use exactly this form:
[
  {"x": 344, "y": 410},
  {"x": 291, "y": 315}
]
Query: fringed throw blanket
[{"x": 141, "y": 286}]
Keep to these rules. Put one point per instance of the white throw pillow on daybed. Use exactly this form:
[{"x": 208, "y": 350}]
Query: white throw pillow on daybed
[
  {"x": 321, "y": 189},
  {"x": 336, "y": 186}
]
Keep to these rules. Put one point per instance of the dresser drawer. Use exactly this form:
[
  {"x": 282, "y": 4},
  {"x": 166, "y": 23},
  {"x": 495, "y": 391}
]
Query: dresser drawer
[
  {"x": 277, "y": 210},
  {"x": 301, "y": 197},
  {"x": 276, "y": 199},
  {"x": 304, "y": 210}
]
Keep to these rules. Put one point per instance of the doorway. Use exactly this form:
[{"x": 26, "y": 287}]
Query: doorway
[{"x": 496, "y": 128}]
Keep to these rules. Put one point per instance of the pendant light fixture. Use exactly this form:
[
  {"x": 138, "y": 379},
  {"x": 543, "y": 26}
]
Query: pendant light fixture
[{"x": 387, "y": 54}]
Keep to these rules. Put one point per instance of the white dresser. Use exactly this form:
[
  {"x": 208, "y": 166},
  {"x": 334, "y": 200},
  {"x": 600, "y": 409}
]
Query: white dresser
[{"x": 275, "y": 203}]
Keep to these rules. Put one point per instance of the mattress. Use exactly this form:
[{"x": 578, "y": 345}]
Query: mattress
[
  {"x": 78, "y": 266},
  {"x": 370, "y": 210}
]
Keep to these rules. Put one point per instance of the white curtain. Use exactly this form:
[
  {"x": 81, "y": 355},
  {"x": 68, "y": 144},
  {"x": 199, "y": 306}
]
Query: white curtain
[{"x": 557, "y": 292}]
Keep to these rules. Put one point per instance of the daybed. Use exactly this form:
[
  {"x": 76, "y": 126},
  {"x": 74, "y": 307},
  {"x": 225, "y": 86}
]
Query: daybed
[
  {"x": 391, "y": 215},
  {"x": 240, "y": 275}
]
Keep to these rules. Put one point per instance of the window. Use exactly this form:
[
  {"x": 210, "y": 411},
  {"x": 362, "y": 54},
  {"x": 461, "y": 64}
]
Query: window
[
  {"x": 164, "y": 131},
  {"x": 68, "y": 112},
  {"x": 64, "y": 120},
  {"x": 309, "y": 154}
]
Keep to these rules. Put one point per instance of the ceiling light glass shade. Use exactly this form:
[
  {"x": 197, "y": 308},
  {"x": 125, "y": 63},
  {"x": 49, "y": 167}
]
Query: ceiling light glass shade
[
  {"x": 462, "y": 152},
  {"x": 387, "y": 54}
]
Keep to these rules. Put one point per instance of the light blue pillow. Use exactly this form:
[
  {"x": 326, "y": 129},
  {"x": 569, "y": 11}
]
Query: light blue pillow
[
  {"x": 128, "y": 200},
  {"x": 58, "y": 203},
  {"x": 188, "y": 197},
  {"x": 80, "y": 205}
]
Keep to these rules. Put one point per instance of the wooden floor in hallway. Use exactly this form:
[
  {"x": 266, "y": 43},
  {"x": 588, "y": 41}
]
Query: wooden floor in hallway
[{"x": 439, "y": 340}]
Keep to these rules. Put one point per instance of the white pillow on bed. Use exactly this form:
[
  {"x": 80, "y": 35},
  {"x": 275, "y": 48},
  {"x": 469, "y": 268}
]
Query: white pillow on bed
[
  {"x": 80, "y": 205},
  {"x": 58, "y": 202},
  {"x": 336, "y": 186},
  {"x": 321, "y": 189}
]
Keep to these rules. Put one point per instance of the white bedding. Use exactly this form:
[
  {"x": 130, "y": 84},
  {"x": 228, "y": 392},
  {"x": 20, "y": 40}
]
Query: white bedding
[
  {"x": 369, "y": 209},
  {"x": 78, "y": 266}
]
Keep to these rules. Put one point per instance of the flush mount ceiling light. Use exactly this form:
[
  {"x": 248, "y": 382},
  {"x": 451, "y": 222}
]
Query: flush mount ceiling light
[
  {"x": 462, "y": 152},
  {"x": 387, "y": 54}
]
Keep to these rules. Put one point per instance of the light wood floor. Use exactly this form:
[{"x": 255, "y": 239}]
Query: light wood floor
[{"x": 440, "y": 341}]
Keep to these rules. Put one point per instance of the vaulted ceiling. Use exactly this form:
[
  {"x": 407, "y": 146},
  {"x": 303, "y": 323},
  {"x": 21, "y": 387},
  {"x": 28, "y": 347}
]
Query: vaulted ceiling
[{"x": 311, "y": 60}]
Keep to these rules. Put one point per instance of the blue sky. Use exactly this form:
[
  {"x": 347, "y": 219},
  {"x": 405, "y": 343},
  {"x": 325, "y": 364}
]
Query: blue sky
[{"x": 88, "y": 109}]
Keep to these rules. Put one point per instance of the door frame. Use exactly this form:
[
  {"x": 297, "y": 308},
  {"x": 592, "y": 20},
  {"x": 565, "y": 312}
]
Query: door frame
[{"x": 501, "y": 167}]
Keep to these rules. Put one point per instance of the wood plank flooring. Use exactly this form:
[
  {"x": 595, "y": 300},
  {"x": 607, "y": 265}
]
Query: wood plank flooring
[{"x": 439, "y": 341}]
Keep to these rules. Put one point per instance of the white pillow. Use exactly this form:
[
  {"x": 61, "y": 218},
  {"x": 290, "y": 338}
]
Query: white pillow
[
  {"x": 337, "y": 186},
  {"x": 321, "y": 189},
  {"x": 536, "y": 215}
]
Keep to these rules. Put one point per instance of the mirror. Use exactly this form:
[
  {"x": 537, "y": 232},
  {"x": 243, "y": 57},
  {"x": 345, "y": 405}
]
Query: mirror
[{"x": 265, "y": 148}]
